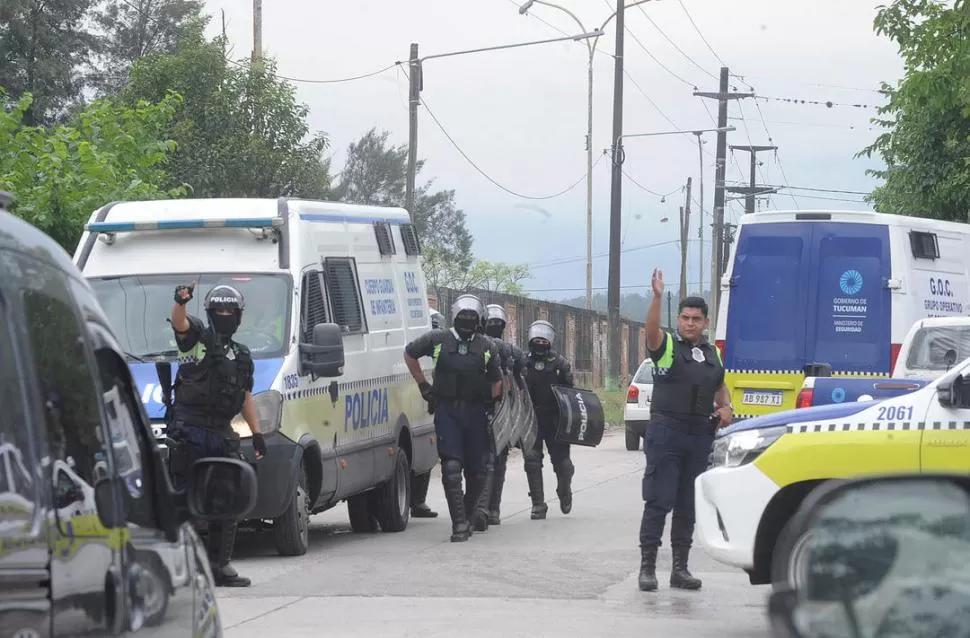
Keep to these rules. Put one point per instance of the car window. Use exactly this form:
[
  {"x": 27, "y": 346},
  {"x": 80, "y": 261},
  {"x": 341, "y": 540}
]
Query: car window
[
  {"x": 73, "y": 420},
  {"x": 17, "y": 486},
  {"x": 129, "y": 444},
  {"x": 645, "y": 373},
  {"x": 938, "y": 347}
]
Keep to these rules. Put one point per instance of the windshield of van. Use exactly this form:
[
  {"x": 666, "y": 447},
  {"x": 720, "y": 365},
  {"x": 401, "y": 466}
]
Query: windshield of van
[
  {"x": 139, "y": 306},
  {"x": 930, "y": 346}
]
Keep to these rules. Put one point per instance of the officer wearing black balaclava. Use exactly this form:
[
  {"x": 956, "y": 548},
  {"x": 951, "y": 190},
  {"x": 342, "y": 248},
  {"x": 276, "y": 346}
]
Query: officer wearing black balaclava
[
  {"x": 513, "y": 360},
  {"x": 467, "y": 385},
  {"x": 544, "y": 369},
  {"x": 214, "y": 384},
  {"x": 421, "y": 482}
]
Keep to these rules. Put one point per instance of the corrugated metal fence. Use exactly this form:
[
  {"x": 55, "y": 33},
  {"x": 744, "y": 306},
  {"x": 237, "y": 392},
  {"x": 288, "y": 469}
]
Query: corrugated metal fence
[{"x": 581, "y": 333}]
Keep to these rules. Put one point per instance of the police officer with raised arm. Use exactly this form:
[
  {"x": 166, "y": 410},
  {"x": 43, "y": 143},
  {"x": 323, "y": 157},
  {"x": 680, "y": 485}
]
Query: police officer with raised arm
[
  {"x": 466, "y": 386},
  {"x": 513, "y": 362},
  {"x": 214, "y": 383},
  {"x": 688, "y": 384},
  {"x": 545, "y": 368}
]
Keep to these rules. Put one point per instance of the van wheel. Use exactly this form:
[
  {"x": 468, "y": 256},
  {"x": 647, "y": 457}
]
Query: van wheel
[
  {"x": 393, "y": 503},
  {"x": 790, "y": 566},
  {"x": 291, "y": 531},
  {"x": 632, "y": 440},
  {"x": 360, "y": 509}
]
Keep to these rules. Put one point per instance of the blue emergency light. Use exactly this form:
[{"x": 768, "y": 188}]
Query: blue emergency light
[{"x": 184, "y": 224}]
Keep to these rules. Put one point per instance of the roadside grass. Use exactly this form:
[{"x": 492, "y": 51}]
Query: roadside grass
[{"x": 613, "y": 402}]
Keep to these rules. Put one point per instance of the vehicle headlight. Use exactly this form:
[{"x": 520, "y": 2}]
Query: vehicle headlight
[
  {"x": 743, "y": 447},
  {"x": 269, "y": 408}
]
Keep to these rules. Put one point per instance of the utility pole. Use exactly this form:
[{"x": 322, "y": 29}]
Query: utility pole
[
  {"x": 613, "y": 285},
  {"x": 257, "y": 31},
  {"x": 751, "y": 192},
  {"x": 416, "y": 83},
  {"x": 700, "y": 221},
  {"x": 684, "y": 233},
  {"x": 670, "y": 311},
  {"x": 717, "y": 230}
]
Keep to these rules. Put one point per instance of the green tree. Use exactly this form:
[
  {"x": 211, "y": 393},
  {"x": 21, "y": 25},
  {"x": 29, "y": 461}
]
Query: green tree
[
  {"x": 44, "y": 50},
  {"x": 132, "y": 29},
  {"x": 60, "y": 175},
  {"x": 926, "y": 145},
  {"x": 496, "y": 277},
  {"x": 375, "y": 173},
  {"x": 240, "y": 130}
]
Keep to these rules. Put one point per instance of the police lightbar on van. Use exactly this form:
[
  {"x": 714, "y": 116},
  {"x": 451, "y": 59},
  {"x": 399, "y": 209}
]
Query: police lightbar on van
[{"x": 184, "y": 224}]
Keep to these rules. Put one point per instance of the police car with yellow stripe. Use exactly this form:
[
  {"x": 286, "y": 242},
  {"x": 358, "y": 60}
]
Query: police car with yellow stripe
[{"x": 763, "y": 468}]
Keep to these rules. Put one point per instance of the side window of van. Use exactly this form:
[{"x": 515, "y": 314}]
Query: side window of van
[
  {"x": 17, "y": 486},
  {"x": 129, "y": 444},
  {"x": 66, "y": 380},
  {"x": 345, "y": 299},
  {"x": 313, "y": 305}
]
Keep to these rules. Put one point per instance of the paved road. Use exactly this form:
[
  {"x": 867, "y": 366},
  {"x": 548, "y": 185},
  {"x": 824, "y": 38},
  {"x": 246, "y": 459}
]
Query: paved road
[{"x": 568, "y": 575}]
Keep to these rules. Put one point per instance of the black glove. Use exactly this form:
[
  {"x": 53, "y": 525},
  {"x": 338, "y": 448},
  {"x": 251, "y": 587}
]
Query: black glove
[
  {"x": 179, "y": 290},
  {"x": 259, "y": 444},
  {"x": 426, "y": 392}
]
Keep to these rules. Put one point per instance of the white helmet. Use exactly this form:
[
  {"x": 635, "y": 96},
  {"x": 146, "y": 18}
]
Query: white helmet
[
  {"x": 437, "y": 319},
  {"x": 469, "y": 303},
  {"x": 542, "y": 330},
  {"x": 495, "y": 311}
]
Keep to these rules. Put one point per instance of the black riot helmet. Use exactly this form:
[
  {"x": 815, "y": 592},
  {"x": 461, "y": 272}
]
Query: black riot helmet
[{"x": 224, "y": 306}]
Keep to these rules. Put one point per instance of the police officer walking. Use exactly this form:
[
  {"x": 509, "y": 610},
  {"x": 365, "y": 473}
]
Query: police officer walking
[
  {"x": 513, "y": 361},
  {"x": 545, "y": 368},
  {"x": 466, "y": 387},
  {"x": 214, "y": 383},
  {"x": 688, "y": 383}
]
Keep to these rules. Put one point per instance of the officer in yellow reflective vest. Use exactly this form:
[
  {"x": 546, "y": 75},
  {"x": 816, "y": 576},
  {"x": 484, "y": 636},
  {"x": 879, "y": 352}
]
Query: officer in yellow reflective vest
[{"x": 467, "y": 385}]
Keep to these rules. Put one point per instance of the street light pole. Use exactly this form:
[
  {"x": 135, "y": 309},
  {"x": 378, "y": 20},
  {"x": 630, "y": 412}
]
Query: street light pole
[
  {"x": 591, "y": 49},
  {"x": 416, "y": 81}
]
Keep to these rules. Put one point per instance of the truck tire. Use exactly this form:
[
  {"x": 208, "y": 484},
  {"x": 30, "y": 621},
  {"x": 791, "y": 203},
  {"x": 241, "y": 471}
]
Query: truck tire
[
  {"x": 393, "y": 498},
  {"x": 788, "y": 563},
  {"x": 360, "y": 510},
  {"x": 632, "y": 440},
  {"x": 291, "y": 531}
]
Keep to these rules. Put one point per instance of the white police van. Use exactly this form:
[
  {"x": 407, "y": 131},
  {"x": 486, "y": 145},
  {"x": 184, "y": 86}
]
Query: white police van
[{"x": 333, "y": 292}]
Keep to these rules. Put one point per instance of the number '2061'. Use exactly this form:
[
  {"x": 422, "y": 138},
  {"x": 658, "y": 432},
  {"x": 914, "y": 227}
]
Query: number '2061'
[{"x": 896, "y": 413}]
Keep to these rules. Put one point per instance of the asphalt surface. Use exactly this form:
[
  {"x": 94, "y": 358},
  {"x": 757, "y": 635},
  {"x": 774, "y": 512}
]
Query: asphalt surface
[{"x": 569, "y": 575}]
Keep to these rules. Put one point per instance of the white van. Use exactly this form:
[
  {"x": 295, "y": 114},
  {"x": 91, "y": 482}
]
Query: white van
[
  {"x": 333, "y": 293},
  {"x": 831, "y": 287}
]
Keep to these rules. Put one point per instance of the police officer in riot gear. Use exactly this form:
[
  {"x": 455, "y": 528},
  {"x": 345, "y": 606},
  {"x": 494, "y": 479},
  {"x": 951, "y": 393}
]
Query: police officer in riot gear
[
  {"x": 688, "y": 383},
  {"x": 544, "y": 369},
  {"x": 466, "y": 386},
  {"x": 421, "y": 483},
  {"x": 513, "y": 361},
  {"x": 214, "y": 383}
]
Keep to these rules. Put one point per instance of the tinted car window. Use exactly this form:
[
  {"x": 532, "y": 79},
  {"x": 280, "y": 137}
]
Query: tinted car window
[{"x": 644, "y": 374}]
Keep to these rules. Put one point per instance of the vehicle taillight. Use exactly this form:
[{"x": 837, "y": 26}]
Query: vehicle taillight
[
  {"x": 633, "y": 394},
  {"x": 805, "y": 398},
  {"x": 893, "y": 355},
  {"x": 720, "y": 345}
]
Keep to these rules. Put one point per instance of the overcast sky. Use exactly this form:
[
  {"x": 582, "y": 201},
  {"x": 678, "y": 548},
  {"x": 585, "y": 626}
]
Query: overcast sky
[{"x": 520, "y": 115}]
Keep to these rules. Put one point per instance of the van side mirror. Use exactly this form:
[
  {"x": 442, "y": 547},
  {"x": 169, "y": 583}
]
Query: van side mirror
[
  {"x": 325, "y": 356},
  {"x": 110, "y": 501},
  {"x": 221, "y": 489},
  {"x": 954, "y": 393}
]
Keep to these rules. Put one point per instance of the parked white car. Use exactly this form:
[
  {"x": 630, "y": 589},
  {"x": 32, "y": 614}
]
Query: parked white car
[{"x": 636, "y": 413}]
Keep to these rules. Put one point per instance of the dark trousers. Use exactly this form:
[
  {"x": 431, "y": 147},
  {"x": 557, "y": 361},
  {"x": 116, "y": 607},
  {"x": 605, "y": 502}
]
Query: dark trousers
[
  {"x": 558, "y": 451},
  {"x": 462, "y": 432},
  {"x": 675, "y": 458}
]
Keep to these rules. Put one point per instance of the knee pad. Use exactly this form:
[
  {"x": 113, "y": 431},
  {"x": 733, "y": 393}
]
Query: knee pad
[
  {"x": 533, "y": 462},
  {"x": 566, "y": 467},
  {"x": 451, "y": 472}
]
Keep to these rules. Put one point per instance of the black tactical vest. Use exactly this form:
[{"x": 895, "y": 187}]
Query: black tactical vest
[
  {"x": 459, "y": 369},
  {"x": 215, "y": 385},
  {"x": 543, "y": 372},
  {"x": 684, "y": 389}
]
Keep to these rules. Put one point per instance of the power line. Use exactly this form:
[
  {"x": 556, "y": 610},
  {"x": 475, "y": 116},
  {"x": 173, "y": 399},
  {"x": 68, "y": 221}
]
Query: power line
[
  {"x": 825, "y": 190},
  {"x": 694, "y": 24},
  {"x": 813, "y": 84},
  {"x": 486, "y": 175},
  {"x": 850, "y": 127},
  {"x": 781, "y": 166},
  {"x": 645, "y": 286},
  {"x": 333, "y": 81},
  {"x": 644, "y": 188},
  {"x": 674, "y": 44},
  {"x": 826, "y": 103},
  {"x": 570, "y": 260},
  {"x": 655, "y": 59}
]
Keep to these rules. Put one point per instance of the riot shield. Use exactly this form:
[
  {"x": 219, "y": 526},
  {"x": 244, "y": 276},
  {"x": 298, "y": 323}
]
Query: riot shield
[
  {"x": 502, "y": 421},
  {"x": 528, "y": 427},
  {"x": 581, "y": 417}
]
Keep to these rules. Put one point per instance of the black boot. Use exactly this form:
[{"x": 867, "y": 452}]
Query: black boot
[
  {"x": 648, "y": 569},
  {"x": 539, "y": 507},
  {"x": 564, "y": 474},
  {"x": 498, "y": 482},
  {"x": 451, "y": 481},
  {"x": 680, "y": 577},
  {"x": 479, "y": 517},
  {"x": 220, "y": 542},
  {"x": 419, "y": 492}
]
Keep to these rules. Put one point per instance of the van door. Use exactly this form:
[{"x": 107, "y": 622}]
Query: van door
[
  {"x": 945, "y": 444},
  {"x": 851, "y": 318},
  {"x": 86, "y": 569},
  {"x": 24, "y": 552}
]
